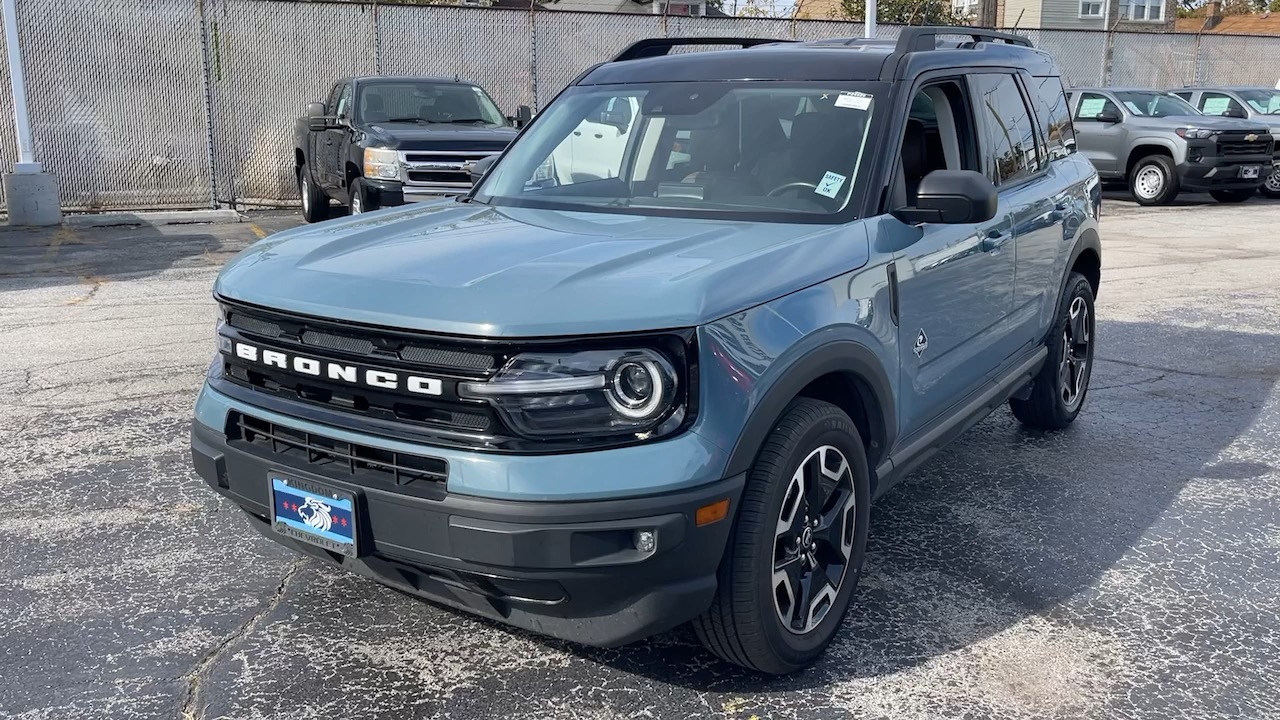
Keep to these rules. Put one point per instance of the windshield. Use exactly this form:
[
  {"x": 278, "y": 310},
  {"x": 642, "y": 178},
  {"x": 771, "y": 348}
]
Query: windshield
[
  {"x": 1263, "y": 101},
  {"x": 427, "y": 103},
  {"x": 1155, "y": 104},
  {"x": 759, "y": 150}
]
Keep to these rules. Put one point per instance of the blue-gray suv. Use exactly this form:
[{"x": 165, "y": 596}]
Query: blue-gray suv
[{"x": 655, "y": 367}]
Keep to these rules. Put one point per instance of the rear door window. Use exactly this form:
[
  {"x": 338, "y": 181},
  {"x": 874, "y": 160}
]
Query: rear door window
[
  {"x": 1013, "y": 153},
  {"x": 1054, "y": 117}
]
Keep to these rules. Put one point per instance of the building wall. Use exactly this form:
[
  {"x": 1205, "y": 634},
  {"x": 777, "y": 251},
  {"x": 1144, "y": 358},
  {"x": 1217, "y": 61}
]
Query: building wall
[{"x": 1023, "y": 14}]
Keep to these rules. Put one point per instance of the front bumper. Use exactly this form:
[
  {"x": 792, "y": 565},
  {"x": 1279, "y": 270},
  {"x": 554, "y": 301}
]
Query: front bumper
[
  {"x": 1222, "y": 173},
  {"x": 390, "y": 193},
  {"x": 565, "y": 569}
]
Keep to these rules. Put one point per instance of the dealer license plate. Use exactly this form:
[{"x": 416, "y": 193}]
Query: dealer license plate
[
  {"x": 1249, "y": 172},
  {"x": 314, "y": 513}
]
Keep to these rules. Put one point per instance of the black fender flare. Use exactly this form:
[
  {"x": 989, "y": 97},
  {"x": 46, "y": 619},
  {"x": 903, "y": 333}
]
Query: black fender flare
[{"x": 844, "y": 356}]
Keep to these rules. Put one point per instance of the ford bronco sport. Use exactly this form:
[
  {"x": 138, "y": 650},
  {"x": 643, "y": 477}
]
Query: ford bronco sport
[
  {"x": 598, "y": 401},
  {"x": 1161, "y": 145}
]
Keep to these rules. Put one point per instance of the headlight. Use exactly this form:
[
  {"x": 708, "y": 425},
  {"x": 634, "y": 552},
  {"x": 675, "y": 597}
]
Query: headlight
[
  {"x": 381, "y": 163},
  {"x": 546, "y": 171},
  {"x": 1195, "y": 133},
  {"x": 591, "y": 392}
]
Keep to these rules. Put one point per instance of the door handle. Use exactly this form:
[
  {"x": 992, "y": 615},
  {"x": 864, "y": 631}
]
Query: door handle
[
  {"x": 577, "y": 133},
  {"x": 993, "y": 240},
  {"x": 599, "y": 135}
]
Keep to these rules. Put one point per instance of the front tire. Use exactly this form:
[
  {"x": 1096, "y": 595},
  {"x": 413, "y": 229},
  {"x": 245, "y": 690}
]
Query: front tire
[
  {"x": 315, "y": 204},
  {"x": 1058, "y": 391},
  {"x": 1271, "y": 186},
  {"x": 1231, "y": 196},
  {"x": 1154, "y": 180},
  {"x": 796, "y": 550},
  {"x": 361, "y": 202}
]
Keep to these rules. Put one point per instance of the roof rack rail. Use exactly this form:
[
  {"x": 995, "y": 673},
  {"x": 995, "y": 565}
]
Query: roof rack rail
[
  {"x": 657, "y": 47},
  {"x": 915, "y": 39}
]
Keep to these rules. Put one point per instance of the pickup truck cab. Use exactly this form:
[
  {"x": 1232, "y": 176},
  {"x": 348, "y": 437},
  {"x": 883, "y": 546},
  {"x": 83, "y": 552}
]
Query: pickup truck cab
[
  {"x": 379, "y": 141},
  {"x": 1258, "y": 104},
  {"x": 612, "y": 391},
  {"x": 1161, "y": 145}
]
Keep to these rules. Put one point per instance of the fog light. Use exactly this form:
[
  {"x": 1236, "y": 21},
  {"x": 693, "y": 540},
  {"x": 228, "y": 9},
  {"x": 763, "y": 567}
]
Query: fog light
[{"x": 645, "y": 541}]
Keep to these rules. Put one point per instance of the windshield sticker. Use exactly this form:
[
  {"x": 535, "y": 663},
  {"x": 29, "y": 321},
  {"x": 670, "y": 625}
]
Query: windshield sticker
[
  {"x": 1091, "y": 107},
  {"x": 1216, "y": 106},
  {"x": 855, "y": 100},
  {"x": 830, "y": 184}
]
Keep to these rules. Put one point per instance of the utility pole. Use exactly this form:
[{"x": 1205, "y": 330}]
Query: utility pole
[
  {"x": 31, "y": 193},
  {"x": 869, "y": 29}
]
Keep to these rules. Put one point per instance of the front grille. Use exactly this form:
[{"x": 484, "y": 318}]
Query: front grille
[
  {"x": 374, "y": 467},
  {"x": 440, "y": 169},
  {"x": 361, "y": 343},
  {"x": 1243, "y": 147}
]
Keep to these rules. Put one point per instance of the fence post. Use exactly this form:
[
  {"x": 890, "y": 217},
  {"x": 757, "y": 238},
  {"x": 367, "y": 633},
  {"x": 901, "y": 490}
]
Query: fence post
[
  {"x": 208, "y": 103},
  {"x": 377, "y": 41},
  {"x": 533, "y": 54}
]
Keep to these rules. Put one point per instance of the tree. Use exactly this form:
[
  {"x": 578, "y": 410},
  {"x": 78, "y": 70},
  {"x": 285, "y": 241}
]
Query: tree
[{"x": 904, "y": 12}]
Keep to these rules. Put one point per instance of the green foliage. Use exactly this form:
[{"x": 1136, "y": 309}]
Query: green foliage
[{"x": 904, "y": 12}]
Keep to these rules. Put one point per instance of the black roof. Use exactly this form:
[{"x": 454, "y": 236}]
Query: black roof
[{"x": 916, "y": 50}]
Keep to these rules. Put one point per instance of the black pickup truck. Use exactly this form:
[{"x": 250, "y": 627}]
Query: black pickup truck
[{"x": 379, "y": 141}]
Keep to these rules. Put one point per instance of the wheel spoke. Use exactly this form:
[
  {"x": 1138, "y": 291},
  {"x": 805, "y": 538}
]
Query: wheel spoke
[{"x": 791, "y": 504}]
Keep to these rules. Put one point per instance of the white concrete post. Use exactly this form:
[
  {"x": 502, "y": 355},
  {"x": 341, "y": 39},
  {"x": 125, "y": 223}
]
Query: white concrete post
[
  {"x": 869, "y": 29},
  {"x": 31, "y": 194}
]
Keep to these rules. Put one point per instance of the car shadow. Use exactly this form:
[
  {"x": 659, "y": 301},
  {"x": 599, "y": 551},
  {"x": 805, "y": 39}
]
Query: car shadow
[
  {"x": 1008, "y": 525},
  {"x": 1121, "y": 194},
  {"x": 68, "y": 255}
]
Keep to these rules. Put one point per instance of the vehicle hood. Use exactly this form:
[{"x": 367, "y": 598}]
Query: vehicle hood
[
  {"x": 467, "y": 269},
  {"x": 412, "y": 136},
  {"x": 1207, "y": 122}
]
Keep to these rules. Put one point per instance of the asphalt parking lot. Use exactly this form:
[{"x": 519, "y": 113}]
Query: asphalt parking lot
[{"x": 1126, "y": 568}]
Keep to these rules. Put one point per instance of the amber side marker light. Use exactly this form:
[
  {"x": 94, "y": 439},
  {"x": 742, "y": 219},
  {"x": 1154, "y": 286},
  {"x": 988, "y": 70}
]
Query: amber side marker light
[{"x": 715, "y": 512}]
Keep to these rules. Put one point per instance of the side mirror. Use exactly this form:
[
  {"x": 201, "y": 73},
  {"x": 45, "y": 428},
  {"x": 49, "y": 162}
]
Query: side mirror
[
  {"x": 1236, "y": 112},
  {"x": 952, "y": 197},
  {"x": 316, "y": 121},
  {"x": 522, "y": 117},
  {"x": 478, "y": 168},
  {"x": 1109, "y": 115}
]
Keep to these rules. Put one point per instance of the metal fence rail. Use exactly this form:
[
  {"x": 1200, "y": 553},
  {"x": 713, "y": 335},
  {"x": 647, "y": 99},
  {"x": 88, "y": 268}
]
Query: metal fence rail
[{"x": 181, "y": 103}]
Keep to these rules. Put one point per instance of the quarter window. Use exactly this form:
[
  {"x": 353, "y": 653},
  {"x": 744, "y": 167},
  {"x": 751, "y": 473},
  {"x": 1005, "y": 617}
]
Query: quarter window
[
  {"x": 1011, "y": 149},
  {"x": 1055, "y": 117}
]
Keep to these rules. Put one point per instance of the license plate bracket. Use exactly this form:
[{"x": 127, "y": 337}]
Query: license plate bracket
[
  {"x": 1249, "y": 172},
  {"x": 315, "y": 513}
]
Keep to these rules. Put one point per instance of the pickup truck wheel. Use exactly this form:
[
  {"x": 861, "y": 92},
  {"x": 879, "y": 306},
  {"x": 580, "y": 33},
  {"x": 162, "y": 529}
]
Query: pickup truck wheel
[
  {"x": 1058, "y": 391},
  {"x": 1231, "y": 196},
  {"x": 796, "y": 550},
  {"x": 1271, "y": 186},
  {"x": 315, "y": 204},
  {"x": 1154, "y": 180},
  {"x": 360, "y": 202}
]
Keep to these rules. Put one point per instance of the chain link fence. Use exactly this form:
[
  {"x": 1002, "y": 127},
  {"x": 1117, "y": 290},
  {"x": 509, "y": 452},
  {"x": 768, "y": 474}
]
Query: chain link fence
[{"x": 140, "y": 104}]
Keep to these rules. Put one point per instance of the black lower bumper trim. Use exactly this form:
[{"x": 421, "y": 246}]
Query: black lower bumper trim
[
  {"x": 565, "y": 569},
  {"x": 1222, "y": 174}
]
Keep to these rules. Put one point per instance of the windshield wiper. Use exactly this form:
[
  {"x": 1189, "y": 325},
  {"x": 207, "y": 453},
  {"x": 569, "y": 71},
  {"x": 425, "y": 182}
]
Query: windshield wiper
[
  {"x": 407, "y": 119},
  {"x": 465, "y": 121}
]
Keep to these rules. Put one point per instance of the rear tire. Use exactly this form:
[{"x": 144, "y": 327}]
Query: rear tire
[
  {"x": 1231, "y": 196},
  {"x": 1059, "y": 389},
  {"x": 777, "y": 607},
  {"x": 1153, "y": 180},
  {"x": 315, "y": 204}
]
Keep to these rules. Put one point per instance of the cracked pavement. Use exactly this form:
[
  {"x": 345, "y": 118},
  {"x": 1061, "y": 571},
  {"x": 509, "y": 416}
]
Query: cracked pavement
[{"x": 1128, "y": 567}]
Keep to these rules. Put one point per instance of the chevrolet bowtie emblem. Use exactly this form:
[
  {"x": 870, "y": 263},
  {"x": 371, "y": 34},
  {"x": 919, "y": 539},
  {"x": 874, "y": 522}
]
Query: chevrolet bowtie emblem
[{"x": 1250, "y": 137}]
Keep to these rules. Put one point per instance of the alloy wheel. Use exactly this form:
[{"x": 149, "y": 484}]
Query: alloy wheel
[
  {"x": 1073, "y": 365},
  {"x": 306, "y": 192},
  {"x": 813, "y": 541},
  {"x": 1149, "y": 182},
  {"x": 357, "y": 203}
]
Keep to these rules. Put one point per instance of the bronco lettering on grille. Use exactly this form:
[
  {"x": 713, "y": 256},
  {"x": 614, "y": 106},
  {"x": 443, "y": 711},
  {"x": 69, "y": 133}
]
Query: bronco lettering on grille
[{"x": 353, "y": 374}]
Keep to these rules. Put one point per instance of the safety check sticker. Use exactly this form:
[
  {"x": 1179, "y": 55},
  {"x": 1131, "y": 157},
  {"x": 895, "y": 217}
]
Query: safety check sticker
[
  {"x": 830, "y": 184},
  {"x": 855, "y": 100}
]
